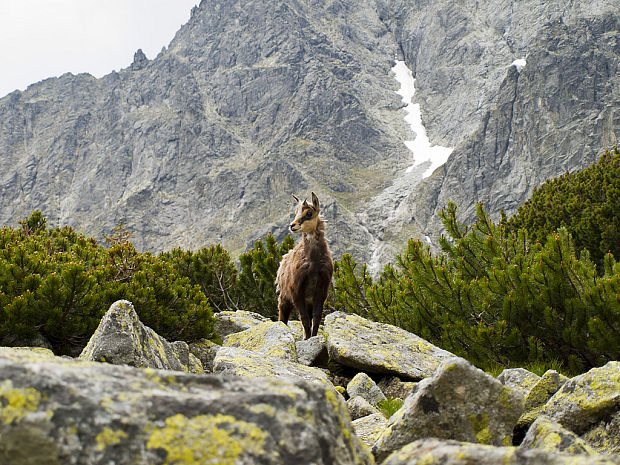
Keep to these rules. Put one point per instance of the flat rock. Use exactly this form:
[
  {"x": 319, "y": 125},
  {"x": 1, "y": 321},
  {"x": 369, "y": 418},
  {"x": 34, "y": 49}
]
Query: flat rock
[
  {"x": 122, "y": 339},
  {"x": 269, "y": 338},
  {"x": 380, "y": 348},
  {"x": 586, "y": 399},
  {"x": 547, "y": 435},
  {"x": 448, "y": 452},
  {"x": 229, "y": 322},
  {"x": 240, "y": 362},
  {"x": 58, "y": 411},
  {"x": 369, "y": 427},
  {"x": 362, "y": 385},
  {"x": 458, "y": 402}
]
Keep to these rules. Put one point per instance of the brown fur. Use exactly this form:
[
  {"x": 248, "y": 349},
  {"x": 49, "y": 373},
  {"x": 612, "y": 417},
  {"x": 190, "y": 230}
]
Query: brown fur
[{"x": 305, "y": 272}]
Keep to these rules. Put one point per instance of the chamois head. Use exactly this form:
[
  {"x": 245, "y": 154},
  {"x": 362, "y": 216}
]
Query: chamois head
[{"x": 306, "y": 215}]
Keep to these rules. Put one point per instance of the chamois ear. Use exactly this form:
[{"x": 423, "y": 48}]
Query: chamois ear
[
  {"x": 296, "y": 198},
  {"x": 315, "y": 202}
]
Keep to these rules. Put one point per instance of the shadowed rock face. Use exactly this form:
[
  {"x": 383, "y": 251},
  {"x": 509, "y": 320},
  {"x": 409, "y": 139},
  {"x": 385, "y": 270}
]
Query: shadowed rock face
[{"x": 252, "y": 101}]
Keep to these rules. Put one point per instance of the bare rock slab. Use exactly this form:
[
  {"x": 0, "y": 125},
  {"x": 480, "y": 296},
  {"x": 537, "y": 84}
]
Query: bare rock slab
[
  {"x": 380, "y": 348},
  {"x": 122, "y": 339},
  {"x": 57, "y": 411},
  {"x": 269, "y": 338},
  {"x": 459, "y": 402},
  {"x": 447, "y": 452},
  {"x": 240, "y": 362},
  {"x": 587, "y": 399}
]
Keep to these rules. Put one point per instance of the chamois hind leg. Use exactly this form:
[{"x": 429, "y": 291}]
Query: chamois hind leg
[
  {"x": 304, "y": 316},
  {"x": 284, "y": 309}
]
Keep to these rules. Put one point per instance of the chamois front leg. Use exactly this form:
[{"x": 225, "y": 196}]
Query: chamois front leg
[
  {"x": 304, "y": 316},
  {"x": 318, "y": 300}
]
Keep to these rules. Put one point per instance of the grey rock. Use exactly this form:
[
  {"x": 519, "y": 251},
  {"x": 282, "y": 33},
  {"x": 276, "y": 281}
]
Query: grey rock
[
  {"x": 58, "y": 411},
  {"x": 447, "y": 452},
  {"x": 230, "y": 322},
  {"x": 367, "y": 428},
  {"x": 205, "y": 351},
  {"x": 312, "y": 351},
  {"x": 362, "y": 385},
  {"x": 518, "y": 378},
  {"x": 359, "y": 407},
  {"x": 587, "y": 399},
  {"x": 394, "y": 388},
  {"x": 605, "y": 436},
  {"x": 122, "y": 339},
  {"x": 380, "y": 348},
  {"x": 459, "y": 402},
  {"x": 538, "y": 395},
  {"x": 240, "y": 362},
  {"x": 547, "y": 435},
  {"x": 268, "y": 338}
]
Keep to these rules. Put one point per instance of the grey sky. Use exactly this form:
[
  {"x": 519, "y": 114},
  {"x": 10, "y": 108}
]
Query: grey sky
[{"x": 46, "y": 38}]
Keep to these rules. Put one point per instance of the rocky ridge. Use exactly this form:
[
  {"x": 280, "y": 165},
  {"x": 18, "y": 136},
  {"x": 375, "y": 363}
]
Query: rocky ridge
[
  {"x": 247, "y": 407},
  {"x": 250, "y": 103}
]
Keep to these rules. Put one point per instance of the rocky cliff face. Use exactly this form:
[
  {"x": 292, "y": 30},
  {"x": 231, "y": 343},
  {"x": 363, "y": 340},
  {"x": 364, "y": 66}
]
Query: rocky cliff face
[{"x": 251, "y": 102}]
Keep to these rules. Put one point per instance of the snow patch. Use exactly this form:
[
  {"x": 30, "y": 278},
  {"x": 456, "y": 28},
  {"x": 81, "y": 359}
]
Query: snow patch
[
  {"x": 519, "y": 64},
  {"x": 420, "y": 147}
]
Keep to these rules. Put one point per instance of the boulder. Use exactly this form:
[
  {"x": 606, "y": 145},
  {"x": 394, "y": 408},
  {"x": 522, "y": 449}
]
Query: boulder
[
  {"x": 362, "y": 385},
  {"x": 605, "y": 436},
  {"x": 57, "y": 411},
  {"x": 240, "y": 362},
  {"x": 447, "y": 452},
  {"x": 359, "y": 407},
  {"x": 538, "y": 395},
  {"x": 518, "y": 378},
  {"x": 312, "y": 351},
  {"x": 368, "y": 428},
  {"x": 122, "y": 339},
  {"x": 380, "y": 348},
  {"x": 229, "y": 322},
  {"x": 205, "y": 351},
  {"x": 459, "y": 402},
  {"x": 394, "y": 388},
  {"x": 298, "y": 330},
  {"x": 547, "y": 435},
  {"x": 267, "y": 338},
  {"x": 587, "y": 399}
]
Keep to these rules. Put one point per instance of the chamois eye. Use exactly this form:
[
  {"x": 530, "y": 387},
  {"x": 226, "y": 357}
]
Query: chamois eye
[{"x": 309, "y": 214}]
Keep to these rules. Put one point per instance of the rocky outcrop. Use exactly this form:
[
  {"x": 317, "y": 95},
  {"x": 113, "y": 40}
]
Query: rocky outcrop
[
  {"x": 122, "y": 339},
  {"x": 380, "y": 348},
  {"x": 55, "y": 411},
  {"x": 446, "y": 452},
  {"x": 458, "y": 402}
]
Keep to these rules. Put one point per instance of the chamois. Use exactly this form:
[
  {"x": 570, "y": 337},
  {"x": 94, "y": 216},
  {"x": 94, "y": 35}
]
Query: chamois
[{"x": 305, "y": 272}]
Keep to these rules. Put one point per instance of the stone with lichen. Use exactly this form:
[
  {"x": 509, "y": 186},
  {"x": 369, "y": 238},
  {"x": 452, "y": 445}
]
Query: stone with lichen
[
  {"x": 205, "y": 351},
  {"x": 459, "y": 402},
  {"x": 605, "y": 435},
  {"x": 230, "y": 322},
  {"x": 433, "y": 451},
  {"x": 545, "y": 434},
  {"x": 394, "y": 388},
  {"x": 55, "y": 411},
  {"x": 538, "y": 395},
  {"x": 241, "y": 362},
  {"x": 518, "y": 378},
  {"x": 368, "y": 427},
  {"x": 360, "y": 407},
  {"x": 362, "y": 385},
  {"x": 312, "y": 351},
  {"x": 587, "y": 399},
  {"x": 380, "y": 348},
  {"x": 122, "y": 339},
  {"x": 268, "y": 338}
]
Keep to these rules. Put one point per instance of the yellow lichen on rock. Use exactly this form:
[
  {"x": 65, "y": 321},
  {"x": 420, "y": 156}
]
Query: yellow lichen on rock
[
  {"x": 220, "y": 439},
  {"x": 109, "y": 437},
  {"x": 16, "y": 403},
  {"x": 480, "y": 425}
]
